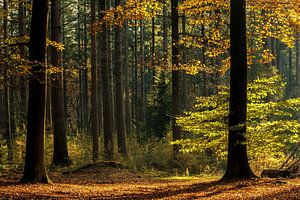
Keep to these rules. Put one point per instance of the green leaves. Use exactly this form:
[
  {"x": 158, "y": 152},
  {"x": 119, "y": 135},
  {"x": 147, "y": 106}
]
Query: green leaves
[{"x": 272, "y": 124}]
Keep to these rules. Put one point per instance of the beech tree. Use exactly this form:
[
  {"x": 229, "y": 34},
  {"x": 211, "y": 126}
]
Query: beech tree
[
  {"x": 237, "y": 163},
  {"x": 60, "y": 153},
  {"x": 34, "y": 171},
  {"x": 176, "y": 106}
]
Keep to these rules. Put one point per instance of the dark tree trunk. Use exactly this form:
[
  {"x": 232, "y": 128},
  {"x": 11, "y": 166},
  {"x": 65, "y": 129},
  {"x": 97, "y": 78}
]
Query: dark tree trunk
[
  {"x": 176, "y": 106},
  {"x": 107, "y": 116},
  {"x": 126, "y": 80},
  {"x": 60, "y": 153},
  {"x": 34, "y": 171},
  {"x": 237, "y": 163},
  {"x": 119, "y": 90},
  {"x": 94, "y": 111},
  {"x": 23, "y": 81},
  {"x": 142, "y": 93}
]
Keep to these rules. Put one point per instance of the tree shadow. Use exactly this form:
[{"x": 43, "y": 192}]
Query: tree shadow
[{"x": 210, "y": 188}]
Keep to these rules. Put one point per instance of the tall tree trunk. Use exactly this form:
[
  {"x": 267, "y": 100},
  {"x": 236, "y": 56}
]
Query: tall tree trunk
[
  {"x": 23, "y": 81},
  {"x": 142, "y": 89},
  {"x": 94, "y": 111},
  {"x": 85, "y": 94},
  {"x": 126, "y": 80},
  {"x": 7, "y": 91},
  {"x": 136, "y": 88},
  {"x": 176, "y": 103},
  {"x": 237, "y": 160},
  {"x": 119, "y": 90},
  {"x": 34, "y": 171},
  {"x": 297, "y": 63},
  {"x": 60, "y": 153},
  {"x": 105, "y": 70}
]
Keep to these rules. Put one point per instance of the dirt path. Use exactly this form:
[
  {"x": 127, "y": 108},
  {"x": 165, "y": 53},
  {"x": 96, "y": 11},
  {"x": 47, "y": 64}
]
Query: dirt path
[{"x": 123, "y": 184}]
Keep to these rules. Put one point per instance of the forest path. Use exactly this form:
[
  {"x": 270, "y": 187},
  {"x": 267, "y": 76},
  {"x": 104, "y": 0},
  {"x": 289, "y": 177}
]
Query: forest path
[{"x": 119, "y": 184}]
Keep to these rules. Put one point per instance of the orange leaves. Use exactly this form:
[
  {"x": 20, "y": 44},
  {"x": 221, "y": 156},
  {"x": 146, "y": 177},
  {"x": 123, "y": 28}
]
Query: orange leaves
[{"x": 131, "y": 10}]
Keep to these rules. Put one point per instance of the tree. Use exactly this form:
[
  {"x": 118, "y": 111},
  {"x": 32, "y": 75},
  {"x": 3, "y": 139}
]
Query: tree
[
  {"x": 94, "y": 111},
  {"x": 107, "y": 111},
  {"x": 34, "y": 171},
  {"x": 237, "y": 160},
  {"x": 119, "y": 90},
  {"x": 60, "y": 153},
  {"x": 176, "y": 107}
]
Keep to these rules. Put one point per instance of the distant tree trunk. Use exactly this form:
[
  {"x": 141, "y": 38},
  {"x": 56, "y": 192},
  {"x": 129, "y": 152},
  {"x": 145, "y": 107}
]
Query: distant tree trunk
[
  {"x": 107, "y": 116},
  {"x": 85, "y": 94},
  {"x": 153, "y": 51},
  {"x": 23, "y": 80},
  {"x": 126, "y": 80},
  {"x": 205, "y": 75},
  {"x": 136, "y": 88},
  {"x": 34, "y": 171},
  {"x": 297, "y": 63},
  {"x": 142, "y": 89},
  {"x": 94, "y": 111},
  {"x": 165, "y": 35},
  {"x": 119, "y": 90},
  {"x": 237, "y": 160},
  {"x": 176, "y": 104},
  {"x": 290, "y": 74},
  {"x": 60, "y": 153},
  {"x": 7, "y": 112}
]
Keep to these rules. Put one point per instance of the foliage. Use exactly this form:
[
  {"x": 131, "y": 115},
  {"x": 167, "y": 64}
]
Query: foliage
[
  {"x": 272, "y": 125},
  {"x": 158, "y": 109}
]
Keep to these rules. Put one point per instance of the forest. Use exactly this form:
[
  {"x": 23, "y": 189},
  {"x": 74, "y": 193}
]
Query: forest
[{"x": 149, "y": 99}]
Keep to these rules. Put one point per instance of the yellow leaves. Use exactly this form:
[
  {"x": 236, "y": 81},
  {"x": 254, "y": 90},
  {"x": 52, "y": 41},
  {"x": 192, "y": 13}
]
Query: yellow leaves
[
  {"x": 59, "y": 46},
  {"x": 131, "y": 10},
  {"x": 194, "y": 67},
  {"x": 267, "y": 57}
]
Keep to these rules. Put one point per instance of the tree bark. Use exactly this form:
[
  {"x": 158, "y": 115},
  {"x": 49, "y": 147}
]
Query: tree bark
[
  {"x": 60, "y": 153},
  {"x": 94, "y": 111},
  {"x": 34, "y": 171},
  {"x": 237, "y": 160},
  {"x": 119, "y": 90},
  {"x": 105, "y": 70},
  {"x": 176, "y": 106}
]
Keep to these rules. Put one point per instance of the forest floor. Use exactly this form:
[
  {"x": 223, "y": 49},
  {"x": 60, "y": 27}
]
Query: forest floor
[{"x": 103, "y": 181}]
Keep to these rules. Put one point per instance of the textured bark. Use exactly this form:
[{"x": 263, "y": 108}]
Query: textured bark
[
  {"x": 60, "y": 149},
  {"x": 176, "y": 106},
  {"x": 94, "y": 111},
  {"x": 237, "y": 160},
  {"x": 119, "y": 90},
  {"x": 34, "y": 170},
  {"x": 106, "y": 90}
]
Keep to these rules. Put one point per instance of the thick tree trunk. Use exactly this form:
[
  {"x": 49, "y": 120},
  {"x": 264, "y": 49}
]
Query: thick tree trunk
[
  {"x": 94, "y": 111},
  {"x": 105, "y": 70},
  {"x": 119, "y": 90},
  {"x": 60, "y": 153},
  {"x": 237, "y": 160},
  {"x": 176, "y": 104},
  {"x": 34, "y": 171}
]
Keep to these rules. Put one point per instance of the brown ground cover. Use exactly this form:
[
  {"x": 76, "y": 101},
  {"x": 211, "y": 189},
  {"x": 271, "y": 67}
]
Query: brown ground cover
[{"x": 113, "y": 182}]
